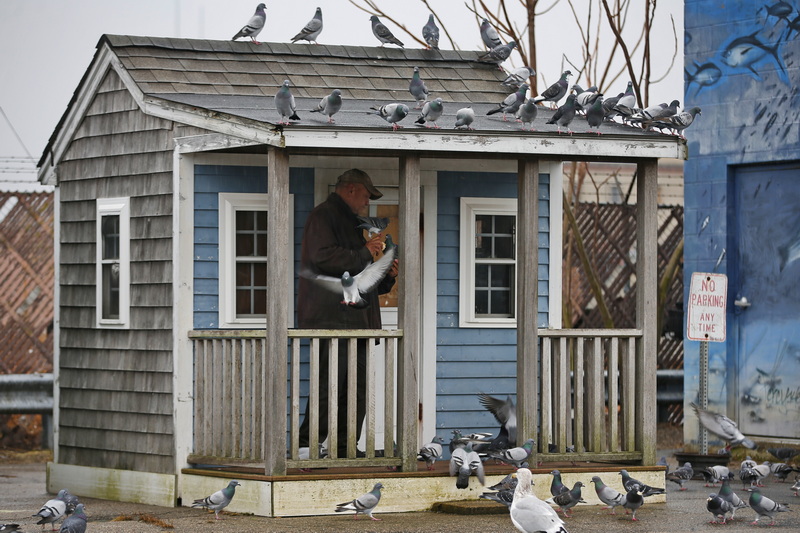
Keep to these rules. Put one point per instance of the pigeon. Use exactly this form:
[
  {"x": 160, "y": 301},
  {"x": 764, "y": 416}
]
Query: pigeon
[
  {"x": 71, "y": 500},
  {"x": 663, "y": 462},
  {"x": 748, "y": 462},
  {"x": 489, "y": 35},
  {"x": 254, "y": 25},
  {"x": 464, "y": 462},
  {"x": 763, "y": 506},
  {"x": 564, "y": 114},
  {"x": 530, "y": 514},
  {"x": 498, "y": 54},
  {"x": 681, "y": 475},
  {"x": 219, "y": 500},
  {"x": 311, "y": 30},
  {"x": 364, "y": 504},
  {"x": 430, "y": 33},
  {"x": 781, "y": 470},
  {"x": 607, "y": 495},
  {"x": 351, "y": 287},
  {"x": 584, "y": 98},
  {"x": 417, "y": 89},
  {"x": 727, "y": 494},
  {"x": 373, "y": 225},
  {"x": 713, "y": 474},
  {"x": 431, "y": 112},
  {"x": 678, "y": 123},
  {"x": 382, "y": 33},
  {"x": 633, "y": 500},
  {"x": 608, "y": 106},
  {"x": 761, "y": 472},
  {"x": 518, "y": 76},
  {"x": 646, "y": 117},
  {"x": 514, "y": 456},
  {"x": 784, "y": 454},
  {"x": 330, "y": 105},
  {"x": 555, "y": 92},
  {"x": 431, "y": 451},
  {"x": 505, "y": 412},
  {"x": 556, "y": 485},
  {"x": 76, "y": 522},
  {"x": 595, "y": 113},
  {"x": 569, "y": 499},
  {"x": 53, "y": 509},
  {"x": 507, "y": 483},
  {"x": 630, "y": 483},
  {"x": 719, "y": 508},
  {"x": 626, "y": 105},
  {"x": 511, "y": 102},
  {"x": 796, "y": 486},
  {"x": 391, "y": 113},
  {"x": 284, "y": 103},
  {"x": 722, "y": 426},
  {"x": 527, "y": 113},
  {"x": 464, "y": 118},
  {"x": 8, "y": 528},
  {"x": 505, "y": 496}
]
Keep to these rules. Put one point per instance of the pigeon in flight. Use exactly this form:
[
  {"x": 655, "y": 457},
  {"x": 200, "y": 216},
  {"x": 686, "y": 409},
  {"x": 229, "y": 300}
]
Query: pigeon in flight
[
  {"x": 382, "y": 33},
  {"x": 722, "y": 426},
  {"x": 391, "y": 113},
  {"x": 764, "y": 507},
  {"x": 555, "y": 92},
  {"x": 464, "y": 118},
  {"x": 489, "y": 35},
  {"x": 505, "y": 412},
  {"x": 432, "y": 451},
  {"x": 364, "y": 504},
  {"x": 311, "y": 30},
  {"x": 463, "y": 463},
  {"x": 719, "y": 508},
  {"x": 529, "y": 513},
  {"x": 284, "y": 103},
  {"x": 418, "y": 89},
  {"x": 76, "y": 522},
  {"x": 254, "y": 25},
  {"x": 219, "y": 500},
  {"x": 431, "y": 112},
  {"x": 330, "y": 105},
  {"x": 608, "y": 495},
  {"x": 511, "y": 102},
  {"x": 430, "y": 33}
]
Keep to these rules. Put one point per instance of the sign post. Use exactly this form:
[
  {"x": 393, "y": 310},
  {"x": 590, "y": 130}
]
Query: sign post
[{"x": 708, "y": 298}]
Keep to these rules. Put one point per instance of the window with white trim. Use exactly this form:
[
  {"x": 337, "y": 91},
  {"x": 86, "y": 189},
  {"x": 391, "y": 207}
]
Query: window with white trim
[
  {"x": 488, "y": 262},
  {"x": 113, "y": 262}
]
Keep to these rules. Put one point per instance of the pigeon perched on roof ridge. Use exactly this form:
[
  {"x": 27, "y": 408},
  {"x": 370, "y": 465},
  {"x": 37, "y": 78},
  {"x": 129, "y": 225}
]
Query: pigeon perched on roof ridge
[
  {"x": 312, "y": 29},
  {"x": 464, "y": 118},
  {"x": 595, "y": 115},
  {"x": 391, "y": 113},
  {"x": 219, "y": 500},
  {"x": 364, "y": 504},
  {"x": 254, "y": 25},
  {"x": 382, "y": 33},
  {"x": 430, "y": 33},
  {"x": 431, "y": 112},
  {"x": 511, "y": 103},
  {"x": 498, "y": 54},
  {"x": 330, "y": 105},
  {"x": 564, "y": 115},
  {"x": 518, "y": 76},
  {"x": 526, "y": 114},
  {"x": 556, "y": 91}
]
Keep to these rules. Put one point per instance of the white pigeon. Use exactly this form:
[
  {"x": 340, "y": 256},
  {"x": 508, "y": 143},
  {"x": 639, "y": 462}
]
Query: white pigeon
[
  {"x": 330, "y": 105},
  {"x": 529, "y": 514},
  {"x": 464, "y": 118},
  {"x": 53, "y": 509},
  {"x": 284, "y": 103},
  {"x": 722, "y": 426},
  {"x": 463, "y": 463},
  {"x": 254, "y": 25},
  {"x": 311, "y": 30},
  {"x": 391, "y": 113},
  {"x": 713, "y": 474},
  {"x": 518, "y": 76},
  {"x": 364, "y": 504},
  {"x": 219, "y": 500},
  {"x": 352, "y": 287}
]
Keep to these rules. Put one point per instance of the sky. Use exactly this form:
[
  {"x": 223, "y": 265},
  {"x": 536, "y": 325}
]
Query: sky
[{"x": 47, "y": 45}]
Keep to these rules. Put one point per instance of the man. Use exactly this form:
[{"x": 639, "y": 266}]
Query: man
[{"x": 332, "y": 244}]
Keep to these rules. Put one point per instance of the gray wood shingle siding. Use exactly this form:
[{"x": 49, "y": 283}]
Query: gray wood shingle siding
[{"x": 116, "y": 385}]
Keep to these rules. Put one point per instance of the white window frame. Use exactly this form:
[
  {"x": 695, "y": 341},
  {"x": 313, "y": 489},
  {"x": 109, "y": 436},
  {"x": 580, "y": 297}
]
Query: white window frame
[
  {"x": 120, "y": 207},
  {"x": 229, "y": 204},
  {"x": 470, "y": 208}
]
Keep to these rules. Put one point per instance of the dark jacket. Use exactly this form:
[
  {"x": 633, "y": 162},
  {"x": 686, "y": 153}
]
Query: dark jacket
[{"x": 332, "y": 244}]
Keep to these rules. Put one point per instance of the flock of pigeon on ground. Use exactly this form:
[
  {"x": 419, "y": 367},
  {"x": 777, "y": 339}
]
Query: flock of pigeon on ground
[
  {"x": 589, "y": 103},
  {"x": 529, "y": 513}
]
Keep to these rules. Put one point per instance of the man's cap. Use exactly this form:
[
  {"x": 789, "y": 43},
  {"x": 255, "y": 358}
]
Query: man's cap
[{"x": 355, "y": 175}]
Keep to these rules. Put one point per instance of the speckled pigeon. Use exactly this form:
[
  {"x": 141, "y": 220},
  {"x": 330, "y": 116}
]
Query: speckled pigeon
[
  {"x": 330, "y": 105},
  {"x": 254, "y": 25},
  {"x": 364, "y": 504},
  {"x": 284, "y": 104},
  {"x": 682, "y": 475},
  {"x": 219, "y": 500},
  {"x": 311, "y": 30},
  {"x": 555, "y": 92},
  {"x": 382, "y": 33},
  {"x": 430, "y": 33}
]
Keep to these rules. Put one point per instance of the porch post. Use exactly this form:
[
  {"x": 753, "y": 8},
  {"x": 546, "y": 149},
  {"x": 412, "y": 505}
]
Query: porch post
[
  {"x": 278, "y": 284},
  {"x": 527, "y": 281},
  {"x": 409, "y": 313},
  {"x": 646, "y": 303}
]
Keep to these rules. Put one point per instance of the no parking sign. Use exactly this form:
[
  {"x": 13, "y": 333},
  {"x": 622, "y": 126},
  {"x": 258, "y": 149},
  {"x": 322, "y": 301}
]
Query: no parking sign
[{"x": 708, "y": 297}]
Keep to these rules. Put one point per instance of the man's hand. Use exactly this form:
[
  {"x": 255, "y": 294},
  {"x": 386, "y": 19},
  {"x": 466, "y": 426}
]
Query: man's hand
[
  {"x": 375, "y": 244},
  {"x": 394, "y": 269}
]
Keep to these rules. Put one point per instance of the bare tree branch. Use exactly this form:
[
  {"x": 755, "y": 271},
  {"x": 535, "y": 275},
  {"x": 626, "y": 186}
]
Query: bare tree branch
[
  {"x": 378, "y": 12},
  {"x": 623, "y": 46}
]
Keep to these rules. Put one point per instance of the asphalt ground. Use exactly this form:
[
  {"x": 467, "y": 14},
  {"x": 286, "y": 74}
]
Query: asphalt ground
[{"x": 22, "y": 493}]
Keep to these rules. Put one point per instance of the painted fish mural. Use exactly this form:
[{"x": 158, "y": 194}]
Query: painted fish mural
[{"x": 748, "y": 51}]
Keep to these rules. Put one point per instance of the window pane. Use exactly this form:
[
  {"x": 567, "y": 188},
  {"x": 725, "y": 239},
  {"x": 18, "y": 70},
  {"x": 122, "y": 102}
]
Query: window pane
[
  {"x": 481, "y": 302},
  {"x": 243, "y": 275},
  {"x": 481, "y": 275},
  {"x": 244, "y": 244},
  {"x": 504, "y": 224},
  {"x": 245, "y": 220},
  {"x": 260, "y": 274},
  {"x": 110, "y": 291},
  {"x": 260, "y": 302},
  {"x": 500, "y": 302},
  {"x": 503, "y": 247},
  {"x": 243, "y": 304},
  {"x": 501, "y": 275},
  {"x": 261, "y": 235},
  {"x": 110, "y": 235}
]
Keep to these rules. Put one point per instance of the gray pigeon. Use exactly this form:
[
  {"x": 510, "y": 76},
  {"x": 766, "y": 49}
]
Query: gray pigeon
[
  {"x": 763, "y": 506},
  {"x": 311, "y": 30},
  {"x": 330, "y": 105},
  {"x": 430, "y": 33},
  {"x": 719, "y": 424},
  {"x": 417, "y": 88},
  {"x": 505, "y": 412},
  {"x": 719, "y": 508},
  {"x": 713, "y": 474},
  {"x": 431, "y": 112},
  {"x": 747, "y": 462},
  {"x": 633, "y": 500},
  {"x": 364, "y": 504},
  {"x": 681, "y": 475},
  {"x": 727, "y": 494},
  {"x": 71, "y": 500},
  {"x": 505, "y": 496},
  {"x": 464, "y": 462},
  {"x": 432, "y": 451},
  {"x": 352, "y": 287},
  {"x": 556, "y": 485},
  {"x": 564, "y": 115},
  {"x": 608, "y": 495},
  {"x": 382, "y": 33},
  {"x": 511, "y": 102},
  {"x": 507, "y": 483},
  {"x": 465, "y": 117},
  {"x": 254, "y": 25},
  {"x": 373, "y": 225},
  {"x": 489, "y": 35},
  {"x": 219, "y": 500},
  {"x": 391, "y": 113},
  {"x": 284, "y": 103},
  {"x": 781, "y": 470},
  {"x": 518, "y": 76},
  {"x": 608, "y": 106},
  {"x": 527, "y": 113},
  {"x": 555, "y": 92},
  {"x": 626, "y": 105},
  {"x": 529, "y": 513},
  {"x": 53, "y": 509},
  {"x": 76, "y": 522},
  {"x": 647, "y": 116},
  {"x": 569, "y": 499},
  {"x": 595, "y": 114},
  {"x": 630, "y": 483},
  {"x": 663, "y": 462},
  {"x": 584, "y": 98},
  {"x": 784, "y": 454},
  {"x": 514, "y": 456},
  {"x": 498, "y": 54}
]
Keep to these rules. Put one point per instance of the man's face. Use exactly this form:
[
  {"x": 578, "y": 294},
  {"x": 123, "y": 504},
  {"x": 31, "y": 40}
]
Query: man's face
[{"x": 357, "y": 197}]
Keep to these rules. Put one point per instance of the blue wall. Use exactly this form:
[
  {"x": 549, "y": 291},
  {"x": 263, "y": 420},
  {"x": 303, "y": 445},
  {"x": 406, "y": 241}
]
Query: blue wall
[{"x": 741, "y": 70}]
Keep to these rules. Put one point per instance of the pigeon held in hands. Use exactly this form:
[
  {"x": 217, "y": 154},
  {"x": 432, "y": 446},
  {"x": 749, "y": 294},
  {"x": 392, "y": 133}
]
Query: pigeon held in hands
[
  {"x": 364, "y": 504},
  {"x": 219, "y": 500},
  {"x": 254, "y": 25}
]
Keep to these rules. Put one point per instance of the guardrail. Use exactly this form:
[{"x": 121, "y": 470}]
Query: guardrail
[{"x": 29, "y": 394}]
